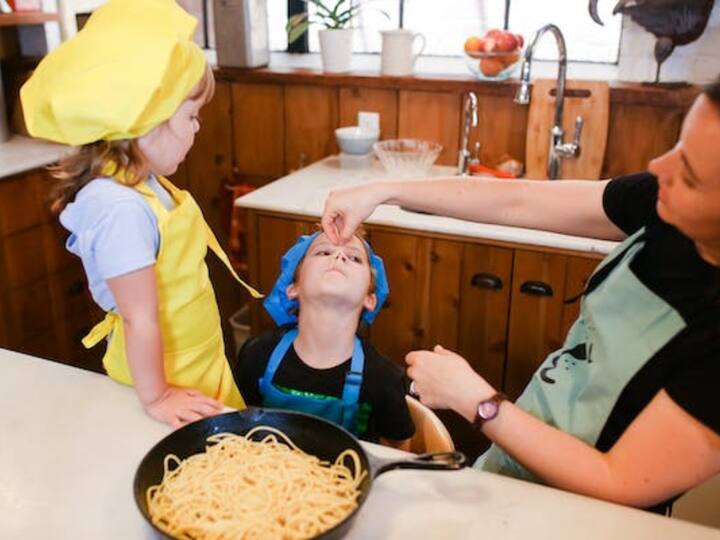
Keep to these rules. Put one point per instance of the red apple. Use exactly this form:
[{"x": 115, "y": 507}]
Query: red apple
[
  {"x": 506, "y": 42},
  {"x": 520, "y": 40},
  {"x": 489, "y": 44}
]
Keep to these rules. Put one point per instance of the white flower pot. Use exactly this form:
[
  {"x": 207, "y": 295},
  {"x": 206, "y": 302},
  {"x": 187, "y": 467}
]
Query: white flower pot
[{"x": 336, "y": 49}]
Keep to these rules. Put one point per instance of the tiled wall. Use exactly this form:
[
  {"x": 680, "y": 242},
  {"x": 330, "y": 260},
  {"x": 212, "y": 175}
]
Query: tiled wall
[{"x": 698, "y": 62}]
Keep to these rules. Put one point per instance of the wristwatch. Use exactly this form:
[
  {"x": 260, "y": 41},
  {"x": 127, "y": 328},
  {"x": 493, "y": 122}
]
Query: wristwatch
[{"x": 488, "y": 409}]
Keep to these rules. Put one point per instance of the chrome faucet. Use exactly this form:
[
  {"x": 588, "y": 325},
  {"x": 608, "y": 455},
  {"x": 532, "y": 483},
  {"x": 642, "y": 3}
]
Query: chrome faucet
[
  {"x": 558, "y": 148},
  {"x": 470, "y": 119}
]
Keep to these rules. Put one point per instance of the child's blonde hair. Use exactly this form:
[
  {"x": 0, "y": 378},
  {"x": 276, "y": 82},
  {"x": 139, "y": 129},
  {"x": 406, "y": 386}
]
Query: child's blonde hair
[{"x": 88, "y": 161}]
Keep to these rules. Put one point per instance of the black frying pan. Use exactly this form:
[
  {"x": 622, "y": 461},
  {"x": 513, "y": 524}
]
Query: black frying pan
[{"x": 312, "y": 434}]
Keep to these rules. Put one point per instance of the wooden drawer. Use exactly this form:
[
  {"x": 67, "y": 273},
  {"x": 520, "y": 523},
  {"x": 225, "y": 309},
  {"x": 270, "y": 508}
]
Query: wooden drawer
[
  {"x": 20, "y": 204},
  {"x": 69, "y": 294},
  {"x": 29, "y": 312}
]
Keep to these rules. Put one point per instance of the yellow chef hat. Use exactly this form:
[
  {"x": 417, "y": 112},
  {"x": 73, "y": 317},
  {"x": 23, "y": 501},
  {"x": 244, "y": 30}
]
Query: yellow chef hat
[{"x": 125, "y": 72}]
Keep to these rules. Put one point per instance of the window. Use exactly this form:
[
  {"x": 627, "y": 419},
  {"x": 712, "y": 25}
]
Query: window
[{"x": 447, "y": 23}]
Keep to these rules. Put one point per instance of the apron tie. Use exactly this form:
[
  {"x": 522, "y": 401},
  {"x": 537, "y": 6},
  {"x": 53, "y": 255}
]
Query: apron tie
[{"x": 101, "y": 330}]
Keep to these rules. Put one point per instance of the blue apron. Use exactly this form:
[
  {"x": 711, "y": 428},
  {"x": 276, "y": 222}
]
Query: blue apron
[
  {"x": 342, "y": 411},
  {"x": 622, "y": 325}
]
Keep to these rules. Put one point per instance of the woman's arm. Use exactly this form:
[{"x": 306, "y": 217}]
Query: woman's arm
[
  {"x": 135, "y": 294},
  {"x": 664, "y": 451},
  {"x": 568, "y": 206}
]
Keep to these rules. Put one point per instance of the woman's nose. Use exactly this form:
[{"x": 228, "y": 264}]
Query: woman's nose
[{"x": 661, "y": 167}]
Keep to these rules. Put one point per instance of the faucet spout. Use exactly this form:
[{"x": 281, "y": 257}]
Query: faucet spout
[
  {"x": 470, "y": 119},
  {"x": 522, "y": 97}
]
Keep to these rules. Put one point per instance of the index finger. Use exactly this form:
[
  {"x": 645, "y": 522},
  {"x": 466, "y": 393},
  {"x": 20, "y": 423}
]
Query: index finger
[{"x": 330, "y": 227}]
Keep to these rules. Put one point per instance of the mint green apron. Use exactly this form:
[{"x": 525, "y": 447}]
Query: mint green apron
[{"x": 622, "y": 325}]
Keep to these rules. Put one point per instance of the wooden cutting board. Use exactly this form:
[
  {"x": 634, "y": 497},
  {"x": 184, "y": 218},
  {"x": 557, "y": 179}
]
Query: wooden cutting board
[{"x": 589, "y": 99}]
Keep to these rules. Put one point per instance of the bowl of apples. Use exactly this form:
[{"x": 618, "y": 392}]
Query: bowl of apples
[{"x": 495, "y": 56}]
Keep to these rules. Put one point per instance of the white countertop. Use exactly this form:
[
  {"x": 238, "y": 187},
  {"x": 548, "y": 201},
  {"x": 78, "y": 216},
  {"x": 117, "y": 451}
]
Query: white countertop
[
  {"x": 303, "y": 193},
  {"x": 71, "y": 441},
  {"x": 21, "y": 154}
]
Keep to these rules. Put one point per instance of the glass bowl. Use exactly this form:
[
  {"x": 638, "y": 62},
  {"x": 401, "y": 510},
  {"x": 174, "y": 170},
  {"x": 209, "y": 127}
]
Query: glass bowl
[
  {"x": 493, "y": 66},
  {"x": 407, "y": 157}
]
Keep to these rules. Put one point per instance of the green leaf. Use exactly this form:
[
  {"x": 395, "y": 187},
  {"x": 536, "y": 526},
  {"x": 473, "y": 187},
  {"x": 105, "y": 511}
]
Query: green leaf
[{"x": 296, "y": 31}]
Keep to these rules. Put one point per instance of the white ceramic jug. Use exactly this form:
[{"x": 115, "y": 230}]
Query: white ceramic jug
[{"x": 398, "y": 58}]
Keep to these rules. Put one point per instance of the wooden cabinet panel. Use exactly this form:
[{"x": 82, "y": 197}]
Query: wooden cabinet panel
[
  {"x": 485, "y": 308},
  {"x": 19, "y": 208},
  {"x": 500, "y": 130},
  {"x": 57, "y": 257},
  {"x": 396, "y": 330},
  {"x": 385, "y": 102},
  {"x": 69, "y": 294},
  {"x": 638, "y": 134},
  {"x": 23, "y": 254},
  {"x": 579, "y": 271},
  {"x": 259, "y": 129},
  {"x": 439, "y": 298},
  {"x": 535, "y": 315},
  {"x": 434, "y": 116},
  {"x": 311, "y": 116},
  {"x": 29, "y": 312}
]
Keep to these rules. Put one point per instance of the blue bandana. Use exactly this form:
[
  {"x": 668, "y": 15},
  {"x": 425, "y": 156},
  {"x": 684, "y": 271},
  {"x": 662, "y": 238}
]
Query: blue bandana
[{"x": 283, "y": 310}]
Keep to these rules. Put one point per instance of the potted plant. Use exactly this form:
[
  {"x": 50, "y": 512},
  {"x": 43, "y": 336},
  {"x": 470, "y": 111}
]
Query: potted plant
[{"x": 336, "y": 36}]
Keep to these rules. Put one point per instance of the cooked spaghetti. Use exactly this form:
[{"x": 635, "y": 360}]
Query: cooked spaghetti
[{"x": 240, "y": 488}]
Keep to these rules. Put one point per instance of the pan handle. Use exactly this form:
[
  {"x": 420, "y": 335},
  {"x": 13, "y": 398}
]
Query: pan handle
[{"x": 437, "y": 461}]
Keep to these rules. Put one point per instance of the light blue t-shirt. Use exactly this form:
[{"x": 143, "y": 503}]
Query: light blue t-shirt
[{"x": 114, "y": 231}]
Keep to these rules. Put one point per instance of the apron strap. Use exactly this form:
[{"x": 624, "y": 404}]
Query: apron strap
[
  {"x": 212, "y": 241},
  {"x": 353, "y": 383},
  {"x": 278, "y": 354},
  {"x": 101, "y": 330}
]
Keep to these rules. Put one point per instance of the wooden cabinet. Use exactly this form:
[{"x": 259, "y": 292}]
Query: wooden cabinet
[{"x": 45, "y": 306}]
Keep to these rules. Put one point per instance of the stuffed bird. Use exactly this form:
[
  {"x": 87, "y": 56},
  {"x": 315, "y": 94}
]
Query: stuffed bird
[{"x": 672, "y": 22}]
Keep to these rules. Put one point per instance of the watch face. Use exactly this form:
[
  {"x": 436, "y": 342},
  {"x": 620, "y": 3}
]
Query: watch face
[{"x": 487, "y": 409}]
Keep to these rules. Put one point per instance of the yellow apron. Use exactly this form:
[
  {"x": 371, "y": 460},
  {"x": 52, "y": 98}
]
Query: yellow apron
[{"x": 193, "y": 348}]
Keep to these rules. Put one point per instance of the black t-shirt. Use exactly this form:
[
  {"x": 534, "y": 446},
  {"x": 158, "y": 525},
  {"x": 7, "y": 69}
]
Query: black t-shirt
[
  {"x": 688, "y": 366},
  {"x": 383, "y": 411}
]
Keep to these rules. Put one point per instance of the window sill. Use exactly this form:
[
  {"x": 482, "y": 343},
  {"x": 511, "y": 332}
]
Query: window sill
[{"x": 434, "y": 66}]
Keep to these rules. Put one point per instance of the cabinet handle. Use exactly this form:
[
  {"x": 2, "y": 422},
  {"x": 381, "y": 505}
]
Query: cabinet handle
[
  {"x": 485, "y": 280},
  {"x": 536, "y": 288},
  {"x": 76, "y": 288}
]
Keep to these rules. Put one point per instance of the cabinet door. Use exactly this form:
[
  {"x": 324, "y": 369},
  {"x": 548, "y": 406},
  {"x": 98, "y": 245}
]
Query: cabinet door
[
  {"x": 269, "y": 238},
  {"x": 484, "y": 309},
  {"x": 434, "y": 116},
  {"x": 536, "y": 315},
  {"x": 579, "y": 270},
  {"x": 259, "y": 130},
  {"x": 396, "y": 331},
  {"x": 384, "y": 102},
  {"x": 311, "y": 116}
]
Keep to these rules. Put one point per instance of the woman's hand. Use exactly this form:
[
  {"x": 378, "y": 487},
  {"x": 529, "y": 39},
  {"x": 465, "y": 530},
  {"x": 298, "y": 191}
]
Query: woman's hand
[
  {"x": 179, "y": 406},
  {"x": 346, "y": 209},
  {"x": 444, "y": 380}
]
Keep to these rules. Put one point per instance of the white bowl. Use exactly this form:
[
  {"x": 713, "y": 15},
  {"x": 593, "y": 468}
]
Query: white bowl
[
  {"x": 355, "y": 140},
  {"x": 407, "y": 157}
]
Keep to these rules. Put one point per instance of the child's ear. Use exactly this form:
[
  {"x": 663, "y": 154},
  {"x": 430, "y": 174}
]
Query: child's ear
[
  {"x": 292, "y": 291},
  {"x": 370, "y": 302}
]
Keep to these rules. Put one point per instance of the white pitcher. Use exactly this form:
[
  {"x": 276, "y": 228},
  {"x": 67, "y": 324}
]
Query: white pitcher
[{"x": 398, "y": 58}]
